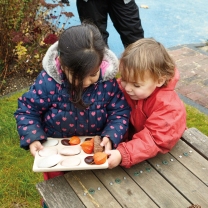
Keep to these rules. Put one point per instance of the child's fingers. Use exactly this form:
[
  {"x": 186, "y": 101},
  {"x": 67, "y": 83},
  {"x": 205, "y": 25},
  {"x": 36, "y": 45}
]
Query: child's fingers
[
  {"x": 108, "y": 152},
  {"x": 105, "y": 140},
  {"x": 33, "y": 151},
  {"x": 106, "y": 143},
  {"x": 114, "y": 158},
  {"x": 34, "y": 147},
  {"x": 108, "y": 146}
]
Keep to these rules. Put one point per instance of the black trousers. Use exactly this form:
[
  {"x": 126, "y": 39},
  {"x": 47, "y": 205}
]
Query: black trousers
[{"x": 125, "y": 18}]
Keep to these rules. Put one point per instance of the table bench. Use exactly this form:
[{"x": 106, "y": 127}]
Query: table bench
[{"x": 177, "y": 179}]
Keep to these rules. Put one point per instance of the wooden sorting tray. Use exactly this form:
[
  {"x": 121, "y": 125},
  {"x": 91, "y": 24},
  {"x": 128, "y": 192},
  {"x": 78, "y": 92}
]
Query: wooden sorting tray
[{"x": 56, "y": 160}]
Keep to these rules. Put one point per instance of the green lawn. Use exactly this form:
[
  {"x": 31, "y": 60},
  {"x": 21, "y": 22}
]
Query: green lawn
[{"x": 17, "y": 180}]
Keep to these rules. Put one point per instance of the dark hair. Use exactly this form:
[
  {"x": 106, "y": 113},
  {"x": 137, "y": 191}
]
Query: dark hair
[{"x": 81, "y": 50}]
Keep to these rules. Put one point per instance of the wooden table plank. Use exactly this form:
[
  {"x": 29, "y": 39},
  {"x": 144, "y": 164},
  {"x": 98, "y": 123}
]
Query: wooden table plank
[
  {"x": 197, "y": 164},
  {"x": 176, "y": 179},
  {"x": 57, "y": 193},
  {"x": 84, "y": 183},
  {"x": 181, "y": 178},
  {"x": 160, "y": 190},
  {"x": 197, "y": 140},
  {"x": 124, "y": 189}
]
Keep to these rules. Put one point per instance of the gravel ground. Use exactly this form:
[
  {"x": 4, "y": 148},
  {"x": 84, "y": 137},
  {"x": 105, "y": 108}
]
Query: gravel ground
[{"x": 16, "y": 82}]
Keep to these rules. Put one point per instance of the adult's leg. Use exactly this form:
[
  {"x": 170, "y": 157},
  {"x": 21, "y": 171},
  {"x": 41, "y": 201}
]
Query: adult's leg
[
  {"x": 126, "y": 20},
  {"x": 95, "y": 11}
]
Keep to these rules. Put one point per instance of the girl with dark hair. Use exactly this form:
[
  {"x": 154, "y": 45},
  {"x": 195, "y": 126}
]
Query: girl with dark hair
[{"x": 75, "y": 94}]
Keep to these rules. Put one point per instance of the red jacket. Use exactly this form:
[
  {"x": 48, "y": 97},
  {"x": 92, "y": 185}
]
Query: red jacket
[{"x": 156, "y": 124}]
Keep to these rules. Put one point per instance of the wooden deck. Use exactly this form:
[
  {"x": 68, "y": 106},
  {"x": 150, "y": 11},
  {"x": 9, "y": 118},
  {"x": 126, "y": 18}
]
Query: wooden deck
[{"x": 177, "y": 179}]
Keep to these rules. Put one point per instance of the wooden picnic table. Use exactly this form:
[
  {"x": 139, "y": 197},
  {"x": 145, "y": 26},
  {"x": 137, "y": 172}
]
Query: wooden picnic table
[{"x": 177, "y": 179}]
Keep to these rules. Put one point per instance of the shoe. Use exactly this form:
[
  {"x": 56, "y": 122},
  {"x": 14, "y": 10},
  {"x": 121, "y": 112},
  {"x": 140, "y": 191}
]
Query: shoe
[{"x": 44, "y": 205}]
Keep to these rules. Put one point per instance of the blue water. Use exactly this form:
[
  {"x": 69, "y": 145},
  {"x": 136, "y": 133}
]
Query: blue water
[{"x": 170, "y": 22}]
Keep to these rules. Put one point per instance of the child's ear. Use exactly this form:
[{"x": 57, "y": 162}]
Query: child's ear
[{"x": 161, "y": 81}]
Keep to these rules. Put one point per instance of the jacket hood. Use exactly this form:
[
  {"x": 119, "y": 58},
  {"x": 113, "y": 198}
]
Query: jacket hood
[
  {"x": 172, "y": 83},
  {"x": 109, "y": 65}
]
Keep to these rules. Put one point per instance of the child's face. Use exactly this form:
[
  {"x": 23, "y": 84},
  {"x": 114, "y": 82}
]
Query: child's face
[
  {"x": 90, "y": 79},
  {"x": 140, "y": 89}
]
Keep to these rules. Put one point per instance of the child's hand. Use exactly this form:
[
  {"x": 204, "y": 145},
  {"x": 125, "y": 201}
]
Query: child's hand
[
  {"x": 35, "y": 146},
  {"x": 106, "y": 142},
  {"x": 114, "y": 158}
]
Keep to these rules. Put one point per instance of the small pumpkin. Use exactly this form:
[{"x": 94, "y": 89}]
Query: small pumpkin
[
  {"x": 74, "y": 140},
  {"x": 100, "y": 158},
  {"x": 87, "y": 146}
]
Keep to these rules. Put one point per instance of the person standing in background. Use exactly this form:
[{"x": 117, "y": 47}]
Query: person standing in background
[{"x": 123, "y": 13}]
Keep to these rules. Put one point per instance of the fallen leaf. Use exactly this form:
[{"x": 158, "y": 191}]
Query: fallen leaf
[{"x": 144, "y": 6}]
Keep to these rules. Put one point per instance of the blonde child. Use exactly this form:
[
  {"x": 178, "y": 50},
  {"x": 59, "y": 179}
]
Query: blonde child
[{"x": 158, "y": 116}]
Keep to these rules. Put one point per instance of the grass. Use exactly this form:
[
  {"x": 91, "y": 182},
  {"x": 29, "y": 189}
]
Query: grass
[
  {"x": 17, "y": 180},
  {"x": 197, "y": 119}
]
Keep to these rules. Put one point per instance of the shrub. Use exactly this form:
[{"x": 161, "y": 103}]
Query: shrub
[{"x": 28, "y": 28}]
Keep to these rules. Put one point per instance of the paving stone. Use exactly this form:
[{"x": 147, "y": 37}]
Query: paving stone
[
  {"x": 195, "y": 96},
  {"x": 192, "y": 64},
  {"x": 206, "y": 82},
  {"x": 203, "y": 101}
]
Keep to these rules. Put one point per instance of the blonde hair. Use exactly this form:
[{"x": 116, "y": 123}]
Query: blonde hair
[{"x": 146, "y": 55}]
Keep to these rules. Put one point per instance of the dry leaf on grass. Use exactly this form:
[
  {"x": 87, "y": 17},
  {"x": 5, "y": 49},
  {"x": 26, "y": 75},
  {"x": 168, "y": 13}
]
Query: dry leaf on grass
[{"x": 144, "y": 6}]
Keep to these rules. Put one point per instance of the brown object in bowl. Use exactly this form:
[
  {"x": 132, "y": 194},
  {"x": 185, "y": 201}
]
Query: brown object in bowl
[
  {"x": 65, "y": 142},
  {"x": 97, "y": 147},
  {"x": 89, "y": 160},
  {"x": 88, "y": 139}
]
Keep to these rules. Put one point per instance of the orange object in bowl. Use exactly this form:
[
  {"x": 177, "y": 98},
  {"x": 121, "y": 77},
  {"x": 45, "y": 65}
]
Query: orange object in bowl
[
  {"x": 87, "y": 146},
  {"x": 100, "y": 158},
  {"x": 74, "y": 140}
]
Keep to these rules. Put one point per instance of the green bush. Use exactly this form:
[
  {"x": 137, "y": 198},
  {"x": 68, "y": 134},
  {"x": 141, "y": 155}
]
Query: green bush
[
  {"x": 11, "y": 14},
  {"x": 28, "y": 28}
]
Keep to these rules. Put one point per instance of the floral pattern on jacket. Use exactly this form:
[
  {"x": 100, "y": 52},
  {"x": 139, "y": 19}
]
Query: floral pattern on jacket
[{"x": 46, "y": 111}]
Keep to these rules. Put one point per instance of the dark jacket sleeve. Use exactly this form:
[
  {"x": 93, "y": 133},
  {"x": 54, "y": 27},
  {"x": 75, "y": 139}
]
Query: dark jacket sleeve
[
  {"x": 28, "y": 116},
  {"x": 118, "y": 116}
]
